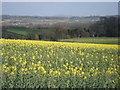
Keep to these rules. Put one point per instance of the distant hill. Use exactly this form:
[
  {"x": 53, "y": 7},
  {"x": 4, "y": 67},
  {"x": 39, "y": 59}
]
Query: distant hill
[
  {"x": 52, "y": 27},
  {"x": 52, "y": 17},
  {"x": 49, "y": 19}
]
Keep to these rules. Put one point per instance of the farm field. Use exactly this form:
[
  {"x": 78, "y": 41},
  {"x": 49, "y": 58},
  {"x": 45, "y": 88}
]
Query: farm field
[
  {"x": 23, "y": 31},
  {"x": 42, "y": 64},
  {"x": 19, "y": 31},
  {"x": 98, "y": 40}
]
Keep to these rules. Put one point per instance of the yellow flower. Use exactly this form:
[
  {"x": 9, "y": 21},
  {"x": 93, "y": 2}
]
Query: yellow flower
[
  {"x": 48, "y": 56},
  {"x": 44, "y": 72},
  {"x": 12, "y": 73},
  {"x": 39, "y": 62},
  {"x": 61, "y": 59},
  {"x": 56, "y": 73},
  {"x": 22, "y": 69},
  {"x": 41, "y": 56},
  {"x": 13, "y": 67},
  {"x": 42, "y": 69},
  {"x": 24, "y": 54},
  {"x": 74, "y": 72},
  {"x": 5, "y": 71},
  {"x": 96, "y": 68},
  {"x": 33, "y": 57},
  {"x": 82, "y": 73},
  {"x": 35, "y": 71},
  {"x": 67, "y": 64},
  {"x": 80, "y": 68},
  {"x": 85, "y": 77},
  {"x": 68, "y": 72}
]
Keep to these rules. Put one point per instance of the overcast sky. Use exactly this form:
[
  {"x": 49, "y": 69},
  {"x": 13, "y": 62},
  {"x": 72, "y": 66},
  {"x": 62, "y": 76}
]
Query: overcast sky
[{"x": 60, "y": 8}]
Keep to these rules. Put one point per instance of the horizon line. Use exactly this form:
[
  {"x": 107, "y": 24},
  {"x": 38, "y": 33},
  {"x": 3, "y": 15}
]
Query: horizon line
[{"x": 58, "y": 15}]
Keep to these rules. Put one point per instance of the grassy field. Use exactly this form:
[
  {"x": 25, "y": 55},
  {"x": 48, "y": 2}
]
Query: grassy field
[
  {"x": 19, "y": 31},
  {"x": 23, "y": 31},
  {"x": 42, "y": 64},
  {"x": 101, "y": 40}
]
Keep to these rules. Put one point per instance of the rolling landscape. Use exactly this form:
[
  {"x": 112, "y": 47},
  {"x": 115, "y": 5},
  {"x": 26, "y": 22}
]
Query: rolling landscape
[{"x": 61, "y": 49}]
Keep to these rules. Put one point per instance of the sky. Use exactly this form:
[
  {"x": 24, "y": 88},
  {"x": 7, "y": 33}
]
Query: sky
[
  {"x": 60, "y": 8},
  {"x": 60, "y": 0}
]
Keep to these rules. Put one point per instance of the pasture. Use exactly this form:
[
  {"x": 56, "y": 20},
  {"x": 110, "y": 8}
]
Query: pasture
[
  {"x": 23, "y": 31},
  {"x": 97, "y": 40}
]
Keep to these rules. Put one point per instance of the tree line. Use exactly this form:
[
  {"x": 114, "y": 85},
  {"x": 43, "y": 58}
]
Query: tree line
[{"x": 105, "y": 27}]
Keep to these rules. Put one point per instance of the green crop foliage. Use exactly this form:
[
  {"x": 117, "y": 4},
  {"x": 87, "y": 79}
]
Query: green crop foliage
[{"x": 46, "y": 64}]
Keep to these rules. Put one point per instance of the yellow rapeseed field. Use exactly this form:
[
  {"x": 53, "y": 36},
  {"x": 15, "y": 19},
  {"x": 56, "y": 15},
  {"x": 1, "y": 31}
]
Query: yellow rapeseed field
[{"x": 42, "y": 64}]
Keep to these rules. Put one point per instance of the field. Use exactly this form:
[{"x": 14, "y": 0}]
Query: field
[
  {"x": 23, "y": 31},
  {"x": 98, "y": 40},
  {"x": 18, "y": 31},
  {"x": 42, "y": 64}
]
